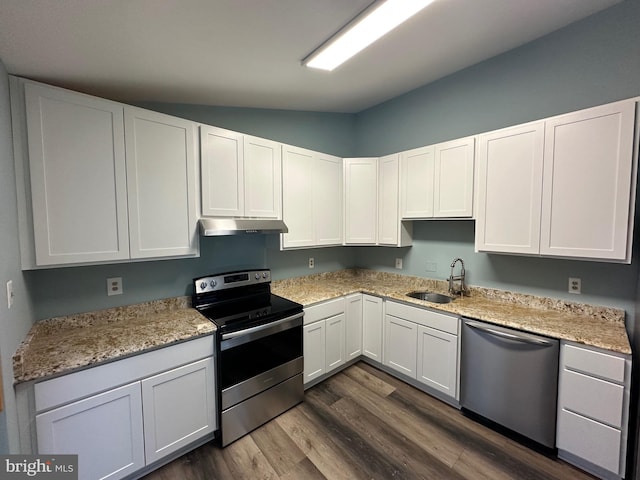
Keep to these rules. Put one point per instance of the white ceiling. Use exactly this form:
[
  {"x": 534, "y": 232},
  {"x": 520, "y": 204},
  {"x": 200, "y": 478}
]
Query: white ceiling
[{"x": 247, "y": 53}]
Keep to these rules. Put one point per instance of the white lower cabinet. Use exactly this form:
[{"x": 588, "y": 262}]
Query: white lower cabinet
[
  {"x": 353, "y": 327},
  {"x": 314, "y": 351},
  {"x": 173, "y": 420},
  {"x": 324, "y": 338},
  {"x": 335, "y": 341},
  {"x": 104, "y": 430},
  {"x": 372, "y": 325},
  {"x": 122, "y": 416},
  {"x": 400, "y": 345},
  {"x": 593, "y": 403},
  {"x": 422, "y": 344},
  {"x": 438, "y": 360}
]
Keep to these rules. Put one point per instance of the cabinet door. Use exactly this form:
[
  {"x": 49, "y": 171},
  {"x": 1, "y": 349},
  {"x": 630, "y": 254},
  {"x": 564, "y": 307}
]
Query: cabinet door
[
  {"x": 314, "y": 350},
  {"x": 438, "y": 360},
  {"x": 222, "y": 169},
  {"x": 361, "y": 201},
  {"x": 327, "y": 200},
  {"x": 78, "y": 177},
  {"x": 388, "y": 200},
  {"x": 161, "y": 183},
  {"x": 179, "y": 408},
  {"x": 510, "y": 190},
  {"x": 417, "y": 171},
  {"x": 372, "y": 324},
  {"x": 105, "y": 431},
  {"x": 453, "y": 183},
  {"x": 262, "y": 178},
  {"x": 335, "y": 342},
  {"x": 353, "y": 318},
  {"x": 400, "y": 345},
  {"x": 297, "y": 197},
  {"x": 588, "y": 165}
]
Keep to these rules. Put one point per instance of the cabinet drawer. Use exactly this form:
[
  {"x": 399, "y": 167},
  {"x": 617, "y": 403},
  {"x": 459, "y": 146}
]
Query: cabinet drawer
[
  {"x": 596, "y": 363},
  {"x": 592, "y": 441},
  {"x": 592, "y": 397},
  {"x": 421, "y": 316},
  {"x": 323, "y": 310}
]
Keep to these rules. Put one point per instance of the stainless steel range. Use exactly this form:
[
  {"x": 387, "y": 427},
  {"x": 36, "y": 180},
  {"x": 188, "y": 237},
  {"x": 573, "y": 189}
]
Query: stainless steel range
[{"x": 259, "y": 360}]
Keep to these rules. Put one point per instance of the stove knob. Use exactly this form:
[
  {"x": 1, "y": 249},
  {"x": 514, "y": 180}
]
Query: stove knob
[
  {"x": 265, "y": 274},
  {"x": 257, "y": 276},
  {"x": 213, "y": 283},
  {"x": 203, "y": 285}
]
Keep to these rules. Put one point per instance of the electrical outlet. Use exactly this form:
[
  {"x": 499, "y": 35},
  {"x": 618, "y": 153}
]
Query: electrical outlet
[
  {"x": 10, "y": 294},
  {"x": 399, "y": 263},
  {"x": 575, "y": 285},
  {"x": 114, "y": 286},
  {"x": 431, "y": 267},
  {"x": 312, "y": 263}
]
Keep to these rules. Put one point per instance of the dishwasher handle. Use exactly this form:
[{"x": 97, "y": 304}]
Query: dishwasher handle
[{"x": 524, "y": 338}]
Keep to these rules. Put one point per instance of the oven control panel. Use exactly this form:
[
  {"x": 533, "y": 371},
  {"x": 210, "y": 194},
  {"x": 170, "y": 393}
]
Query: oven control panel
[{"x": 223, "y": 281}]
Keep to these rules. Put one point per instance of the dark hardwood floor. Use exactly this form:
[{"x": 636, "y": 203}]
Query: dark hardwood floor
[{"x": 364, "y": 424}]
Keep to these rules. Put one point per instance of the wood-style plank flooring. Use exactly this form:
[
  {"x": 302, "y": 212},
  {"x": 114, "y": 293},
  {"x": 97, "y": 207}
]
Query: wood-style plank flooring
[{"x": 364, "y": 424}]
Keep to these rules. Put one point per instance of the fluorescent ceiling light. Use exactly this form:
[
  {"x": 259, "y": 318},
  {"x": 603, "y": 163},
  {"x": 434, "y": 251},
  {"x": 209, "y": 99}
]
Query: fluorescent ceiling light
[{"x": 362, "y": 31}]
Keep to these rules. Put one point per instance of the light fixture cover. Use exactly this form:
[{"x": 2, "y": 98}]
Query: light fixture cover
[{"x": 362, "y": 31}]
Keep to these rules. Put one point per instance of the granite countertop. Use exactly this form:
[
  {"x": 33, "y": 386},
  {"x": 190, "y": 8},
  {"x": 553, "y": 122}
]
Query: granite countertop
[
  {"x": 65, "y": 344},
  {"x": 596, "y": 326}
]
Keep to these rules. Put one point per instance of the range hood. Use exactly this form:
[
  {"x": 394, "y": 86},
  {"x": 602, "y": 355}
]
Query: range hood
[{"x": 238, "y": 226}]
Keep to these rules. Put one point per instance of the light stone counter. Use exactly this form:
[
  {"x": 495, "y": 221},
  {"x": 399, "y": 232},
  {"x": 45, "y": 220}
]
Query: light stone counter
[
  {"x": 65, "y": 344},
  {"x": 601, "y": 327}
]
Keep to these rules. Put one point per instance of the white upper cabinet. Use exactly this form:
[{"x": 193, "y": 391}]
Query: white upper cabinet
[
  {"x": 588, "y": 173},
  {"x": 417, "y": 171},
  {"x": 76, "y": 159},
  {"x": 560, "y": 187},
  {"x": 99, "y": 181},
  {"x": 222, "y": 166},
  {"x": 297, "y": 197},
  {"x": 161, "y": 183},
  {"x": 510, "y": 189},
  {"x": 262, "y": 178},
  {"x": 437, "y": 181},
  {"x": 453, "y": 182},
  {"x": 241, "y": 174},
  {"x": 361, "y": 201},
  {"x": 391, "y": 231},
  {"x": 311, "y": 208},
  {"x": 327, "y": 201}
]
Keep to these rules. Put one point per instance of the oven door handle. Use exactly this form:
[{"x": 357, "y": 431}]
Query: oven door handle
[{"x": 253, "y": 333}]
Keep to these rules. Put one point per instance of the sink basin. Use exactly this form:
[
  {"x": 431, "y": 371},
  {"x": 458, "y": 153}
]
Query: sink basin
[{"x": 430, "y": 297}]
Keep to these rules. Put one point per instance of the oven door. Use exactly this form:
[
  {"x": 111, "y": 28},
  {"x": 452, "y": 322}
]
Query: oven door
[{"x": 258, "y": 358}]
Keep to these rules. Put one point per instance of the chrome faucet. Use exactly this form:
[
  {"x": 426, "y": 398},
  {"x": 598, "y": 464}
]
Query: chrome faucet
[{"x": 463, "y": 289}]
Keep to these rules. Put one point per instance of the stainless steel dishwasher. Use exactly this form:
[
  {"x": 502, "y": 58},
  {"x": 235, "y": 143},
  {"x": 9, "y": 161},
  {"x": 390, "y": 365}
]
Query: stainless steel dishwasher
[{"x": 511, "y": 378}]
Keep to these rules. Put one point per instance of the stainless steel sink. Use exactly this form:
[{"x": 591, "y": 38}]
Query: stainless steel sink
[{"x": 430, "y": 297}]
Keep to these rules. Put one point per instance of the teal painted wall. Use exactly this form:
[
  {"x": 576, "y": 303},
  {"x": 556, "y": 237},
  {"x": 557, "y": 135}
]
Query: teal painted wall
[
  {"x": 591, "y": 62},
  {"x": 439, "y": 242},
  {"x": 332, "y": 133},
  {"x": 63, "y": 291},
  {"x": 14, "y": 322}
]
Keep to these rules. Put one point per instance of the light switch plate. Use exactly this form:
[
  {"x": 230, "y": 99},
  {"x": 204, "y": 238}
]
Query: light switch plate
[{"x": 399, "y": 263}]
